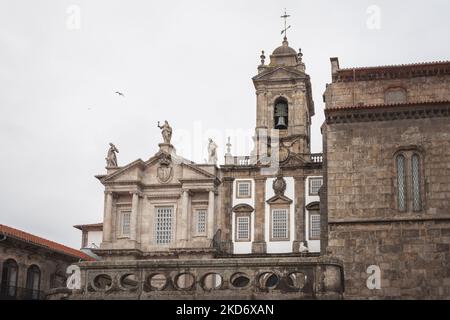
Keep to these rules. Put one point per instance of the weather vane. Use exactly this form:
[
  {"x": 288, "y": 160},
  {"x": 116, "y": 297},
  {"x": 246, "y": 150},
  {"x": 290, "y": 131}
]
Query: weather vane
[{"x": 285, "y": 16}]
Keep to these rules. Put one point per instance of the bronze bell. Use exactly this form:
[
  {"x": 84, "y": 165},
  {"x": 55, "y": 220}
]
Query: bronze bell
[{"x": 281, "y": 124}]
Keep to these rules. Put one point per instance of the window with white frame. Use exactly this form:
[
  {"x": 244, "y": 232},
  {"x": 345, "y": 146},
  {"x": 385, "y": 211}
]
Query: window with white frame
[
  {"x": 243, "y": 189},
  {"x": 200, "y": 221},
  {"x": 164, "y": 225},
  {"x": 280, "y": 224},
  {"x": 314, "y": 185},
  {"x": 314, "y": 225},
  {"x": 243, "y": 228},
  {"x": 125, "y": 217}
]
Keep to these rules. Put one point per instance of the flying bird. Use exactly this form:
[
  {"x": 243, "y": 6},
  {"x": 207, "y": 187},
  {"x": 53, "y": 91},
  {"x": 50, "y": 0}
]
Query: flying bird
[{"x": 120, "y": 93}]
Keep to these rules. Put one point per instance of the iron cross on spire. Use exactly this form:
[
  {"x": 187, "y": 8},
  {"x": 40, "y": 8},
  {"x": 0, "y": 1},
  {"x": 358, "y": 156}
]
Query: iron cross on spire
[{"x": 285, "y": 16}]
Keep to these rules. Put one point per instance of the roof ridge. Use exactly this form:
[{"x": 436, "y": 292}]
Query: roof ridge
[{"x": 414, "y": 64}]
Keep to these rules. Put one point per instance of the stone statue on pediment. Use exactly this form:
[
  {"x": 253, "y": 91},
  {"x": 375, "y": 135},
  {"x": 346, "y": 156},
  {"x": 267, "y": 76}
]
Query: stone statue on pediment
[
  {"x": 212, "y": 152},
  {"x": 166, "y": 131},
  {"x": 111, "y": 158}
]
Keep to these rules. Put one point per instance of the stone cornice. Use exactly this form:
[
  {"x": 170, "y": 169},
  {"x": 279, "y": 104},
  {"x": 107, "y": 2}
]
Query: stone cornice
[
  {"x": 362, "y": 113},
  {"x": 390, "y": 220}
]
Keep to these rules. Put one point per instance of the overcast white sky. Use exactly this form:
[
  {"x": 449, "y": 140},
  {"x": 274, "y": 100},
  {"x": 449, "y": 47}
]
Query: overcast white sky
[{"x": 189, "y": 62}]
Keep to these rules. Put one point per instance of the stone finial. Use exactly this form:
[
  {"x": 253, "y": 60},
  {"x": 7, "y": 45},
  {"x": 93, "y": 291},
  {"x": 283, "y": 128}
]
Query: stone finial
[
  {"x": 228, "y": 146},
  {"x": 300, "y": 55},
  {"x": 263, "y": 58}
]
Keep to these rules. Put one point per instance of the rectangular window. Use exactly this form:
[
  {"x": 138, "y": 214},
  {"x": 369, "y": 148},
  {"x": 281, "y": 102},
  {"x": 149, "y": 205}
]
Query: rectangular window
[
  {"x": 280, "y": 224},
  {"x": 125, "y": 223},
  {"x": 314, "y": 226},
  {"x": 164, "y": 225},
  {"x": 200, "y": 226},
  {"x": 243, "y": 228},
  {"x": 314, "y": 185},
  {"x": 244, "y": 189}
]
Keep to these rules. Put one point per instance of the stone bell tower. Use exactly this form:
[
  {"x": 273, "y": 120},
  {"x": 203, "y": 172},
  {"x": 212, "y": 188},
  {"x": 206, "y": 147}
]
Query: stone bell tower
[{"x": 284, "y": 104}]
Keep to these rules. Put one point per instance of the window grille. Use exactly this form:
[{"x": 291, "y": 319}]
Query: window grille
[{"x": 164, "y": 225}]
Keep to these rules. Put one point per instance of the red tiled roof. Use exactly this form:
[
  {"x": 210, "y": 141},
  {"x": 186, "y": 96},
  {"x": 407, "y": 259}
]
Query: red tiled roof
[
  {"x": 98, "y": 226},
  {"x": 28, "y": 237},
  {"x": 384, "y": 105}
]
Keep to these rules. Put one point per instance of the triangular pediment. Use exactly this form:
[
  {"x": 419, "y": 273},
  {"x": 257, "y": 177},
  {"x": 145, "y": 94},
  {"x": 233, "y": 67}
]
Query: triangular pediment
[
  {"x": 128, "y": 172},
  {"x": 279, "y": 199},
  {"x": 191, "y": 171},
  {"x": 279, "y": 73}
]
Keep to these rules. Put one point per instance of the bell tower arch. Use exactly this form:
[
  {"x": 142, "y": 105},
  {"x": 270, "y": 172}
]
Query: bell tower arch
[{"x": 284, "y": 103}]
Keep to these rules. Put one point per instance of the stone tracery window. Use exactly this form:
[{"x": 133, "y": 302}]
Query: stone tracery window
[
  {"x": 415, "y": 168},
  {"x": 409, "y": 180},
  {"x": 401, "y": 183}
]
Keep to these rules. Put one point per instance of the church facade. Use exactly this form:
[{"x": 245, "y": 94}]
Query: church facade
[{"x": 283, "y": 223}]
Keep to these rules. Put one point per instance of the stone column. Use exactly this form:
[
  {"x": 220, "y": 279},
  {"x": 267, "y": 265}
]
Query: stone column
[
  {"x": 259, "y": 242},
  {"x": 210, "y": 228},
  {"x": 134, "y": 215},
  {"x": 184, "y": 221},
  {"x": 226, "y": 217},
  {"x": 299, "y": 217},
  {"x": 107, "y": 217}
]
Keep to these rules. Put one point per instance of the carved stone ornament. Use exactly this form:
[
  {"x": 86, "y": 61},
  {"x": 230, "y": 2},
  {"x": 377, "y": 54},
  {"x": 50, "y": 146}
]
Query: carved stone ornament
[
  {"x": 279, "y": 186},
  {"x": 283, "y": 153},
  {"x": 165, "y": 169}
]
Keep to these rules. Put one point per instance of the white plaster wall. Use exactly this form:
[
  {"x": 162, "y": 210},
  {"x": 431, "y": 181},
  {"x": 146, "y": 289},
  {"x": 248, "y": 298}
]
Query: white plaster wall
[
  {"x": 94, "y": 237},
  {"x": 280, "y": 246},
  {"x": 243, "y": 247},
  {"x": 313, "y": 245}
]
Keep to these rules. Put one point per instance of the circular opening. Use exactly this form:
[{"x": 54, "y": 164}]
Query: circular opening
[
  {"x": 240, "y": 280},
  {"x": 296, "y": 280},
  {"x": 184, "y": 281},
  {"x": 268, "y": 280},
  {"x": 212, "y": 281},
  {"x": 102, "y": 282},
  {"x": 157, "y": 281},
  {"x": 129, "y": 281}
]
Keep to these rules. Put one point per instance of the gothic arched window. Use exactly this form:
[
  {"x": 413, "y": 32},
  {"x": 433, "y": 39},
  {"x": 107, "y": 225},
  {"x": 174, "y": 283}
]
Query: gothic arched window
[
  {"x": 9, "y": 278},
  {"x": 33, "y": 282},
  {"x": 280, "y": 114},
  {"x": 409, "y": 180},
  {"x": 415, "y": 168},
  {"x": 401, "y": 183}
]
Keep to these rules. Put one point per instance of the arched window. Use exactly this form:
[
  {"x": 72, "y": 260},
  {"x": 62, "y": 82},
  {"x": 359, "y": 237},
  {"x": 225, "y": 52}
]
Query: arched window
[
  {"x": 401, "y": 183},
  {"x": 9, "y": 279},
  {"x": 33, "y": 282},
  {"x": 280, "y": 114},
  {"x": 415, "y": 167}
]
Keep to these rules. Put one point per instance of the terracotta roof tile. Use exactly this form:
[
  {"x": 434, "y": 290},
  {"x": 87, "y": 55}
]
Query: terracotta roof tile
[
  {"x": 417, "y": 64},
  {"x": 54, "y": 246}
]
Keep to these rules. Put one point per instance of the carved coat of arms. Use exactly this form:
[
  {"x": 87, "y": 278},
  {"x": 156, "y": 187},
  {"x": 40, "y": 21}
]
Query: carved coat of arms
[{"x": 164, "y": 172}]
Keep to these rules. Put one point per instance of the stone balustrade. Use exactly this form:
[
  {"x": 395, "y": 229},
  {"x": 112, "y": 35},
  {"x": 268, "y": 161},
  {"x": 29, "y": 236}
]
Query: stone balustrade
[{"x": 291, "y": 277}]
